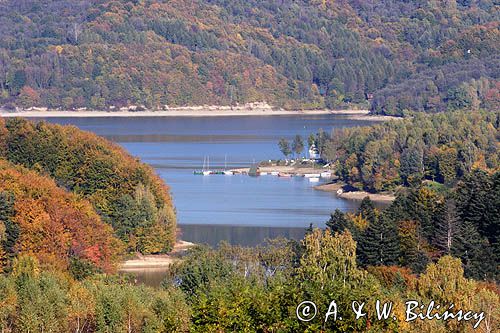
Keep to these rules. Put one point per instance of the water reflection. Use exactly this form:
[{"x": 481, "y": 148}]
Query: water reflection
[
  {"x": 152, "y": 277},
  {"x": 236, "y": 235}
]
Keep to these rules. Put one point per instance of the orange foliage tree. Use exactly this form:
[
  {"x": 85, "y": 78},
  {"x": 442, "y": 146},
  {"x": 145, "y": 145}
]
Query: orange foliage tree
[{"x": 56, "y": 226}]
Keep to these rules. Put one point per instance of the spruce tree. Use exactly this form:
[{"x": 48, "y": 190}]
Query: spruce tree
[
  {"x": 338, "y": 222},
  {"x": 477, "y": 255},
  {"x": 472, "y": 194},
  {"x": 367, "y": 210},
  {"x": 380, "y": 244},
  {"x": 448, "y": 229},
  {"x": 478, "y": 202}
]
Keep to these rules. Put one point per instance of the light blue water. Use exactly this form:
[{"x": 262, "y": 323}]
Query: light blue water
[{"x": 226, "y": 206}]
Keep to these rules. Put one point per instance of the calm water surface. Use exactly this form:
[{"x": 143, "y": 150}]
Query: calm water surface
[{"x": 239, "y": 209}]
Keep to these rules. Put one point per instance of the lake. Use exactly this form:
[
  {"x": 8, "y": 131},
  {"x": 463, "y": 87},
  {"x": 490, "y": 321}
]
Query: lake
[{"x": 240, "y": 209}]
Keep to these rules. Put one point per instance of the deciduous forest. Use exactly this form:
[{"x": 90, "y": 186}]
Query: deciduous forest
[{"x": 390, "y": 56}]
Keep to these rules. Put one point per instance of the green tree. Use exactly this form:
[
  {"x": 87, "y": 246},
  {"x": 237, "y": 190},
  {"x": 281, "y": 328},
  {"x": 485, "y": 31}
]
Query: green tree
[
  {"x": 448, "y": 229},
  {"x": 367, "y": 210},
  {"x": 284, "y": 146},
  {"x": 458, "y": 98},
  {"x": 411, "y": 169},
  {"x": 338, "y": 222},
  {"x": 379, "y": 245},
  {"x": 447, "y": 165},
  {"x": 311, "y": 140},
  {"x": 297, "y": 145}
]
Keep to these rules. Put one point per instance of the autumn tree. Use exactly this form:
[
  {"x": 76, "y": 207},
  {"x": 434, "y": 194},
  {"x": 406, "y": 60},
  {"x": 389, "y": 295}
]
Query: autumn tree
[{"x": 28, "y": 97}]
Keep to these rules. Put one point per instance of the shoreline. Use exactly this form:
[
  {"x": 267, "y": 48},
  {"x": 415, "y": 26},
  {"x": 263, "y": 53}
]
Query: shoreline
[
  {"x": 155, "y": 261},
  {"x": 333, "y": 185},
  {"x": 287, "y": 169},
  {"x": 355, "y": 195},
  {"x": 194, "y": 112}
]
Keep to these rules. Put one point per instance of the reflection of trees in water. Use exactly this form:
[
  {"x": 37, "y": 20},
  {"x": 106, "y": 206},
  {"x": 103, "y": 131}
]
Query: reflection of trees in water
[{"x": 236, "y": 235}]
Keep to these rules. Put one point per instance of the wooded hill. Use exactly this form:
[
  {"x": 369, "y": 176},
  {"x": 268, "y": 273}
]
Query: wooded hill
[
  {"x": 396, "y": 55},
  {"x": 441, "y": 149},
  {"x": 78, "y": 181}
]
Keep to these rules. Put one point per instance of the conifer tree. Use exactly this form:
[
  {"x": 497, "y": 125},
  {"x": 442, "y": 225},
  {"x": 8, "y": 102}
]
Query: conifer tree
[
  {"x": 367, "y": 210},
  {"x": 298, "y": 145},
  {"x": 380, "y": 244},
  {"x": 9, "y": 229},
  {"x": 284, "y": 146},
  {"x": 337, "y": 222},
  {"x": 448, "y": 229}
]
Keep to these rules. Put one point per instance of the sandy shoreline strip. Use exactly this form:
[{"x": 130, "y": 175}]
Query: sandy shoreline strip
[
  {"x": 187, "y": 112},
  {"x": 355, "y": 195},
  {"x": 375, "y": 197},
  {"x": 155, "y": 261}
]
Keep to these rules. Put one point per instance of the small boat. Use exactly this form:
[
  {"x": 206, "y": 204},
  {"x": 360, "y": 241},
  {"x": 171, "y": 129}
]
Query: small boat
[
  {"x": 314, "y": 179},
  {"x": 202, "y": 171},
  {"x": 226, "y": 171},
  {"x": 326, "y": 174},
  {"x": 299, "y": 175},
  {"x": 275, "y": 173},
  {"x": 263, "y": 173},
  {"x": 284, "y": 175},
  {"x": 207, "y": 171},
  {"x": 312, "y": 175}
]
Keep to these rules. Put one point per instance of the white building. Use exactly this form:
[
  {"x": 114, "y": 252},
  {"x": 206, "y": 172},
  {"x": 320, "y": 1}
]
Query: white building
[{"x": 314, "y": 153}]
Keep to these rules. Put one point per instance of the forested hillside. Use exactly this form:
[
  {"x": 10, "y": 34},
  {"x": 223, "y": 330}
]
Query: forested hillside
[
  {"x": 424, "y": 224},
  {"x": 395, "y": 55},
  {"x": 126, "y": 193}
]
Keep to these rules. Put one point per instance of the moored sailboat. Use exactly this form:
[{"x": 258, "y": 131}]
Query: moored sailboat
[
  {"x": 226, "y": 171},
  {"x": 207, "y": 171}
]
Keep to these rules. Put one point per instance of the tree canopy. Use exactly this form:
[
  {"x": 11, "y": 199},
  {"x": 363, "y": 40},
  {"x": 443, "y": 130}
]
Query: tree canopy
[
  {"x": 396, "y": 55},
  {"x": 441, "y": 149},
  {"x": 127, "y": 194}
]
